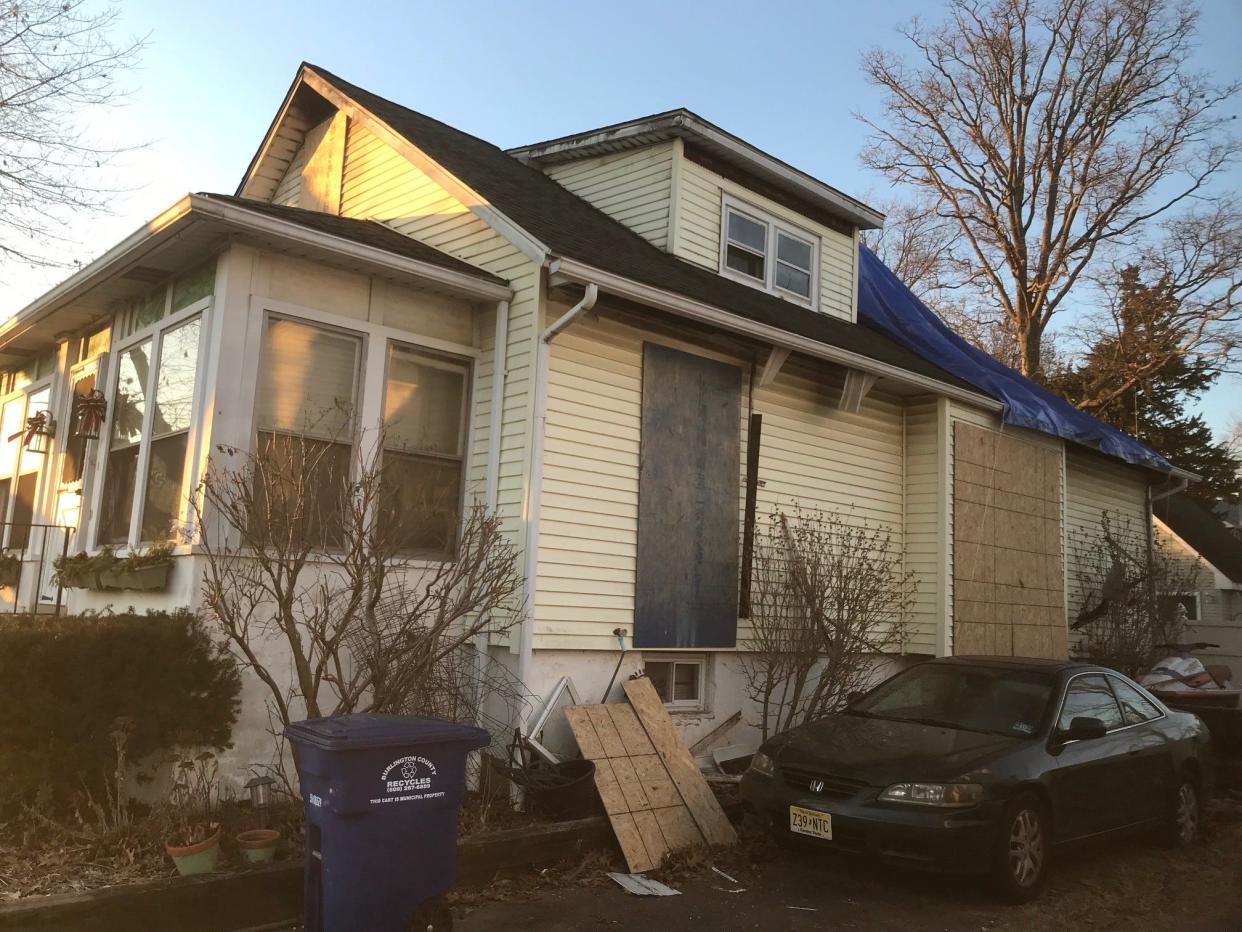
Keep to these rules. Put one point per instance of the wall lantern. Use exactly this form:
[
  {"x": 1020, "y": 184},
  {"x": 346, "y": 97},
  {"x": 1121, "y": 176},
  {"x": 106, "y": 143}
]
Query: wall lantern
[
  {"x": 36, "y": 436},
  {"x": 89, "y": 411}
]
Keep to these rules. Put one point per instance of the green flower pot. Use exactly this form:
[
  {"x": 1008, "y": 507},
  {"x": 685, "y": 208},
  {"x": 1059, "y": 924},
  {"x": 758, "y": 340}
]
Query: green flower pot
[
  {"x": 258, "y": 845},
  {"x": 200, "y": 858}
]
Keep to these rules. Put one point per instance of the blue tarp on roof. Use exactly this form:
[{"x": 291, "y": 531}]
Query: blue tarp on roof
[{"x": 885, "y": 303}]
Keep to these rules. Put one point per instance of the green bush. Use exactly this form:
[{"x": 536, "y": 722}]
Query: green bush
[{"x": 67, "y": 681}]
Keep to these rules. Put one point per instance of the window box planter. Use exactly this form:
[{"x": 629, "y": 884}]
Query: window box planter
[
  {"x": 144, "y": 572},
  {"x": 152, "y": 578},
  {"x": 10, "y": 569}
]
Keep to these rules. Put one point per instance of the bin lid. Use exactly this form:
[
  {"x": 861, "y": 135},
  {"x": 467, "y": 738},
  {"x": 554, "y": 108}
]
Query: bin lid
[{"x": 362, "y": 730}]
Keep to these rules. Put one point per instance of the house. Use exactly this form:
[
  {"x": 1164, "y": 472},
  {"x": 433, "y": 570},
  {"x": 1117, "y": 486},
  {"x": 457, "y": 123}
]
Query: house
[
  {"x": 607, "y": 314},
  {"x": 1213, "y": 556}
]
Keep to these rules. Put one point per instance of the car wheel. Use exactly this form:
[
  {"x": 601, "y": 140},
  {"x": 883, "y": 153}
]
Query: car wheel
[
  {"x": 1023, "y": 849},
  {"x": 1187, "y": 819}
]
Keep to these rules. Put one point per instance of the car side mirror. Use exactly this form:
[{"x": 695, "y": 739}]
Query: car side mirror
[{"x": 1084, "y": 728}]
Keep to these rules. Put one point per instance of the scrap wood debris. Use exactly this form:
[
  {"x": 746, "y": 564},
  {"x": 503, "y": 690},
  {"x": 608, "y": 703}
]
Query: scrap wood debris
[{"x": 656, "y": 798}]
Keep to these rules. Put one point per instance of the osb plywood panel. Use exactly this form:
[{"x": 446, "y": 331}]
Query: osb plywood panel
[
  {"x": 1008, "y": 581},
  {"x": 655, "y": 797}
]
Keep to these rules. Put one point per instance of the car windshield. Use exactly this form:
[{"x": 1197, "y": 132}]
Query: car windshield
[{"x": 996, "y": 701}]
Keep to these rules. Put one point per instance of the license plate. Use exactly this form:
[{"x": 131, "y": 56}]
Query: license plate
[{"x": 810, "y": 822}]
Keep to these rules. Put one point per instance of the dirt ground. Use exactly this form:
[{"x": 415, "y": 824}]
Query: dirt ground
[{"x": 1133, "y": 885}]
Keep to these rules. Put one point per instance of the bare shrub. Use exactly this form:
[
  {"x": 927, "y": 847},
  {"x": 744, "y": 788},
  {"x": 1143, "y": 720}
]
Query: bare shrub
[
  {"x": 376, "y": 598},
  {"x": 1129, "y": 585},
  {"x": 828, "y": 595}
]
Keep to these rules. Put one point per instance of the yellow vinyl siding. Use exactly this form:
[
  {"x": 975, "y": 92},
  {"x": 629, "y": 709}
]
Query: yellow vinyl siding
[
  {"x": 811, "y": 452},
  {"x": 273, "y": 168},
  {"x": 696, "y": 237},
  {"x": 381, "y": 184},
  {"x": 631, "y": 187},
  {"x": 1095, "y": 486},
  {"x": 925, "y": 508}
]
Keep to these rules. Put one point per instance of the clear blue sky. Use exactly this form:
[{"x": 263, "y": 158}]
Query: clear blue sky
[{"x": 783, "y": 75}]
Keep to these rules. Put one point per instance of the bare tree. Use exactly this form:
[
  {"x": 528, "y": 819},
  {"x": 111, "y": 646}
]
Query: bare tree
[
  {"x": 1048, "y": 131},
  {"x": 57, "y": 63},
  {"x": 916, "y": 243},
  {"x": 311, "y": 569},
  {"x": 828, "y": 597},
  {"x": 1130, "y": 584}
]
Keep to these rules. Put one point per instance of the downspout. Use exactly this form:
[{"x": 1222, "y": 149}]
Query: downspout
[
  {"x": 491, "y": 481},
  {"x": 526, "y": 636}
]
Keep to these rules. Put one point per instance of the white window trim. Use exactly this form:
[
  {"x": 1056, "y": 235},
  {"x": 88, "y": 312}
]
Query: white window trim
[
  {"x": 42, "y": 474},
  {"x": 774, "y": 225},
  {"x": 683, "y": 705},
  {"x": 372, "y": 376},
  {"x": 155, "y": 333}
]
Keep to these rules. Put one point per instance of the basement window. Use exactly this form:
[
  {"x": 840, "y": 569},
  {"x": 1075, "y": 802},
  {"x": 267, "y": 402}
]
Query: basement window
[
  {"x": 678, "y": 681},
  {"x": 764, "y": 251}
]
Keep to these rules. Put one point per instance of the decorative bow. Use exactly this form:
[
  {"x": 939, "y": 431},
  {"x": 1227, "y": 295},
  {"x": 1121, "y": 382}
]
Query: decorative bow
[
  {"x": 92, "y": 409},
  {"x": 35, "y": 424}
]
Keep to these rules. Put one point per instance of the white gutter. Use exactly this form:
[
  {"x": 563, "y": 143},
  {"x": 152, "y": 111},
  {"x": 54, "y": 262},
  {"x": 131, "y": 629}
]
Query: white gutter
[
  {"x": 526, "y": 638},
  {"x": 706, "y": 313},
  {"x": 1183, "y": 480}
]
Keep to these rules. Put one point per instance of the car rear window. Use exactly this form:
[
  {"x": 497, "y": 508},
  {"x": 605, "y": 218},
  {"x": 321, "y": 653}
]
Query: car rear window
[{"x": 1008, "y": 702}]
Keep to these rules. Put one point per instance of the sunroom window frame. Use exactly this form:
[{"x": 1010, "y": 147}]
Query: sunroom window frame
[
  {"x": 155, "y": 332},
  {"x": 773, "y": 226},
  {"x": 24, "y": 393}
]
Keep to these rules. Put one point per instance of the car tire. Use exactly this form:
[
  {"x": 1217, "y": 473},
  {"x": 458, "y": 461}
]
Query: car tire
[
  {"x": 1023, "y": 849},
  {"x": 1187, "y": 817}
]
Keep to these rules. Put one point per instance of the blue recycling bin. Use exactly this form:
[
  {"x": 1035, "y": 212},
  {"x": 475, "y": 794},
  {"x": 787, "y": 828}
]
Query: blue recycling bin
[{"x": 382, "y": 794}]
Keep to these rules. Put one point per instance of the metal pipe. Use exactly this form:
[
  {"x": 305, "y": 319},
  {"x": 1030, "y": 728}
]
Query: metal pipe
[{"x": 543, "y": 355}]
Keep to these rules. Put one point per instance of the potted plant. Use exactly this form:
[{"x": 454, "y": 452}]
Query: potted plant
[
  {"x": 145, "y": 571},
  {"x": 10, "y": 569},
  {"x": 258, "y": 845},
  {"x": 193, "y": 836}
]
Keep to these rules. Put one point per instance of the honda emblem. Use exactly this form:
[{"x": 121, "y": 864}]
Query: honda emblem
[{"x": 817, "y": 786}]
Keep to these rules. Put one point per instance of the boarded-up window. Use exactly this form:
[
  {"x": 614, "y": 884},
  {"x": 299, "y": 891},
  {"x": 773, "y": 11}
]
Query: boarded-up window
[{"x": 686, "y": 592}]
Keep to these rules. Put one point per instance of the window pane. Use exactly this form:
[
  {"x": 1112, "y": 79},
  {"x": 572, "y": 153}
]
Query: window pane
[
  {"x": 792, "y": 279},
  {"x": 1134, "y": 705},
  {"x": 793, "y": 251},
  {"x": 192, "y": 286},
  {"x": 118, "y": 495},
  {"x": 149, "y": 309},
  {"x": 658, "y": 672},
  {"x": 165, "y": 476},
  {"x": 1090, "y": 697},
  {"x": 424, "y": 401},
  {"x": 740, "y": 260},
  {"x": 1170, "y": 605},
  {"x": 686, "y": 681},
  {"x": 300, "y": 487},
  {"x": 12, "y": 421},
  {"x": 424, "y": 501},
  {"x": 174, "y": 385},
  {"x": 308, "y": 378},
  {"x": 75, "y": 450},
  {"x": 748, "y": 232},
  {"x": 23, "y": 510},
  {"x": 131, "y": 400},
  {"x": 6, "y": 487},
  {"x": 36, "y": 403}
]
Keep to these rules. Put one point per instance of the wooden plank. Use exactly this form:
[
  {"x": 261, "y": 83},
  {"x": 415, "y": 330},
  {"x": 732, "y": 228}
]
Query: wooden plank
[
  {"x": 579, "y": 720},
  {"x": 695, "y": 793},
  {"x": 633, "y": 736},
  {"x": 678, "y": 827},
  {"x": 606, "y": 731},
  {"x": 610, "y": 793},
  {"x": 658, "y": 786},
  {"x": 631, "y": 786},
  {"x": 653, "y": 839},
  {"x": 631, "y": 842}
]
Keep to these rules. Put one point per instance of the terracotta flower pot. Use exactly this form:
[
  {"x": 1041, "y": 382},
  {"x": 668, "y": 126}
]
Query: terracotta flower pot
[
  {"x": 198, "y": 858},
  {"x": 258, "y": 845}
]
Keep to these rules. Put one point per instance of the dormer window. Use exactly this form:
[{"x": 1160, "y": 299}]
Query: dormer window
[{"x": 762, "y": 250}]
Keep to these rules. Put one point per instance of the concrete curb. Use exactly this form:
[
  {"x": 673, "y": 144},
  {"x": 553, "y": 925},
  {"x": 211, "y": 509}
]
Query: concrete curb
[{"x": 273, "y": 893}]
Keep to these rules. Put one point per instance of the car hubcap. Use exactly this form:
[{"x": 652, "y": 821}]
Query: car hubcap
[
  {"x": 1026, "y": 847},
  {"x": 1187, "y": 813}
]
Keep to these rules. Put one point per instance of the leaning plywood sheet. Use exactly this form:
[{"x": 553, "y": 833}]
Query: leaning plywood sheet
[
  {"x": 704, "y": 808},
  {"x": 646, "y": 810}
]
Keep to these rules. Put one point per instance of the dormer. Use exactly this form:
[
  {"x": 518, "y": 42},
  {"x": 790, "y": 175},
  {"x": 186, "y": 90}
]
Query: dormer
[{"x": 707, "y": 197}]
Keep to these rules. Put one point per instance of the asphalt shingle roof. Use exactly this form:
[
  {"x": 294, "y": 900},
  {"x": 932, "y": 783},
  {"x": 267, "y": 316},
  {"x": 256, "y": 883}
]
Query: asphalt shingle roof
[
  {"x": 572, "y": 228},
  {"x": 1198, "y": 527}
]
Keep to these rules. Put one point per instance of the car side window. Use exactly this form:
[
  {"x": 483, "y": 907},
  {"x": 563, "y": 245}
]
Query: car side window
[
  {"x": 1134, "y": 705},
  {"x": 1089, "y": 697}
]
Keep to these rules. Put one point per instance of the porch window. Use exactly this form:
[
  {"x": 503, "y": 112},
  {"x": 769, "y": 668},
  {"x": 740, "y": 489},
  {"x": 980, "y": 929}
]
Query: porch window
[
  {"x": 425, "y": 399},
  {"x": 124, "y": 444},
  {"x": 305, "y": 410},
  {"x": 678, "y": 682},
  {"x": 763, "y": 250},
  {"x": 19, "y": 468}
]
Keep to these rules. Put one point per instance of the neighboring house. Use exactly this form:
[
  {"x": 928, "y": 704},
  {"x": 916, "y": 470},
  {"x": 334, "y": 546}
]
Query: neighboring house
[
  {"x": 1214, "y": 603},
  {"x": 605, "y": 313}
]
